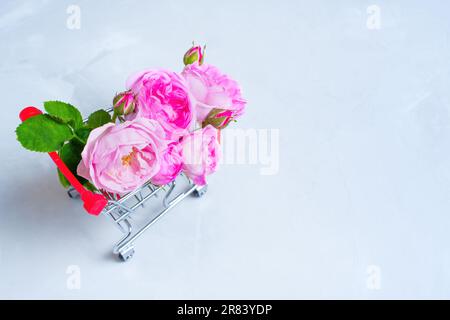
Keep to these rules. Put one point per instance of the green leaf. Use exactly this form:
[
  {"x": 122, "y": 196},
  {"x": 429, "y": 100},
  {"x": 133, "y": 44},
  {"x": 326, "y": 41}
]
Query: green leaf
[
  {"x": 62, "y": 179},
  {"x": 89, "y": 186},
  {"x": 98, "y": 118},
  {"x": 83, "y": 134},
  {"x": 43, "y": 134},
  {"x": 70, "y": 154},
  {"x": 65, "y": 112}
]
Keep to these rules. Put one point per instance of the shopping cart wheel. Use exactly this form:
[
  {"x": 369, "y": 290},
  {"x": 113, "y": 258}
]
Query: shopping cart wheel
[
  {"x": 73, "y": 193},
  {"x": 200, "y": 191},
  {"x": 126, "y": 254}
]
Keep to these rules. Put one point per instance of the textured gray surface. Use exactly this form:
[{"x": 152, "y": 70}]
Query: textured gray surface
[{"x": 364, "y": 176}]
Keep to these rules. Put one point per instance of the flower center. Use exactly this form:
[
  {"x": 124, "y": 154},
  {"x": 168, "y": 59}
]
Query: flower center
[{"x": 126, "y": 160}]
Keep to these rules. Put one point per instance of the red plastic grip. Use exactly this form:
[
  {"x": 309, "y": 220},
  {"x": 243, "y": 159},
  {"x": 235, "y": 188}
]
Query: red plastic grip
[
  {"x": 29, "y": 112},
  {"x": 93, "y": 203}
]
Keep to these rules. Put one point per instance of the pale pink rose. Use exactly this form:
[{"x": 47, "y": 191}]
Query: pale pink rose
[
  {"x": 201, "y": 154},
  {"x": 171, "y": 164},
  {"x": 163, "y": 95},
  {"x": 118, "y": 158},
  {"x": 213, "y": 90}
]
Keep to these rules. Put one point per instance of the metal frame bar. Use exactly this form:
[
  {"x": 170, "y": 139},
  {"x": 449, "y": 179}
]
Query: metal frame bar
[{"x": 129, "y": 239}]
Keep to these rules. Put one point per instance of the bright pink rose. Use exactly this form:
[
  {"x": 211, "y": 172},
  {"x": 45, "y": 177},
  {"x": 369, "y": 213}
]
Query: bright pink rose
[
  {"x": 171, "y": 164},
  {"x": 118, "y": 158},
  {"x": 201, "y": 154},
  {"x": 163, "y": 96},
  {"x": 213, "y": 90}
]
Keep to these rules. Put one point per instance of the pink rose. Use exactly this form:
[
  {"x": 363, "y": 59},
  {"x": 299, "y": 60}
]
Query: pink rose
[
  {"x": 213, "y": 90},
  {"x": 118, "y": 158},
  {"x": 201, "y": 154},
  {"x": 171, "y": 164},
  {"x": 163, "y": 96}
]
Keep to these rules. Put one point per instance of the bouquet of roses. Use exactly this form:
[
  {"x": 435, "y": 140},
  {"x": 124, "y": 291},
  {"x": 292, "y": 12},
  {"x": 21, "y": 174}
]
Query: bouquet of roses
[{"x": 163, "y": 124}]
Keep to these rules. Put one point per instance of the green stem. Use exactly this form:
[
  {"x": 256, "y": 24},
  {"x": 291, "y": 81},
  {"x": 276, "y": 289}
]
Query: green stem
[{"x": 79, "y": 139}]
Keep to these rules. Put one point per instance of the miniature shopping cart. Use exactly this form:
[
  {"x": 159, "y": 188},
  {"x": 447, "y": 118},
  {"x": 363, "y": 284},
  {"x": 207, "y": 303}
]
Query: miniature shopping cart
[{"x": 123, "y": 209}]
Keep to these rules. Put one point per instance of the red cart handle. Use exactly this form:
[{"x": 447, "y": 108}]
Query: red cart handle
[{"x": 93, "y": 202}]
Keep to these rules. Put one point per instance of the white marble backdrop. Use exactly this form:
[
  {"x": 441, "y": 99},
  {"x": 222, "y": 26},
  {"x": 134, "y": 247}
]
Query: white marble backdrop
[{"x": 359, "y": 204}]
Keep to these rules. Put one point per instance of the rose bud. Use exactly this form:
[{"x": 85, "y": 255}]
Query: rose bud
[
  {"x": 194, "y": 54},
  {"x": 124, "y": 103},
  {"x": 219, "y": 118}
]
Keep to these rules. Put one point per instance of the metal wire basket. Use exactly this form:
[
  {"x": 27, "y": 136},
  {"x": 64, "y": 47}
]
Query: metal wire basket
[{"x": 121, "y": 210}]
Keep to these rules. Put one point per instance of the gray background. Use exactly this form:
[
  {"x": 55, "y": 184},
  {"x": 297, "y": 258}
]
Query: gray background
[{"x": 364, "y": 172}]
